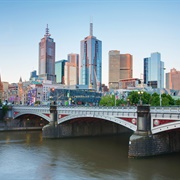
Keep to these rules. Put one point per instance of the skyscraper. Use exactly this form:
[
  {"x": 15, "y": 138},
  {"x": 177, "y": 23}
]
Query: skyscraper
[
  {"x": 154, "y": 71},
  {"x": 73, "y": 69},
  {"x": 47, "y": 57},
  {"x": 59, "y": 71},
  {"x": 172, "y": 79},
  {"x": 120, "y": 67},
  {"x": 91, "y": 61}
]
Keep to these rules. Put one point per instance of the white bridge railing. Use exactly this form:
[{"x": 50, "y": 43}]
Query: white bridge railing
[{"x": 169, "y": 109}]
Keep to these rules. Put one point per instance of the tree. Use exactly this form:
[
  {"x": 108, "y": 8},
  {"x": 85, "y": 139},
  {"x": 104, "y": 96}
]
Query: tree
[
  {"x": 177, "y": 102},
  {"x": 146, "y": 98},
  {"x": 171, "y": 100},
  {"x": 4, "y": 110},
  {"x": 107, "y": 101},
  {"x": 165, "y": 101},
  {"x": 133, "y": 97},
  {"x": 120, "y": 102},
  {"x": 155, "y": 99},
  {"x": 37, "y": 102}
]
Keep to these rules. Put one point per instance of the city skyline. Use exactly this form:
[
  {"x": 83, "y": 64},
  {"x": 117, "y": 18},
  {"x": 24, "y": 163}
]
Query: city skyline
[{"x": 135, "y": 27}]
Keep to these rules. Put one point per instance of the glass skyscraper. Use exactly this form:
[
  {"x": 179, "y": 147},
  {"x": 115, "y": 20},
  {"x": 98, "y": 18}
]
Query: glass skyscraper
[
  {"x": 59, "y": 71},
  {"x": 91, "y": 62},
  {"x": 47, "y": 57},
  {"x": 154, "y": 71}
]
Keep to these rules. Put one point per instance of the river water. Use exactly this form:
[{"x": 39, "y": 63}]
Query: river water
[{"x": 26, "y": 156}]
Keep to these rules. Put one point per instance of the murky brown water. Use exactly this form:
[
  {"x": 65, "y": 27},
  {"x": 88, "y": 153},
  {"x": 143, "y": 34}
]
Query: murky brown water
[{"x": 25, "y": 155}]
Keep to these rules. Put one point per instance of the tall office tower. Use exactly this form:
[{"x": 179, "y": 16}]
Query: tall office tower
[
  {"x": 47, "y": 57},
  {"x": 91, "y": 62},
  {"x": 120, "y": 67},
  {"x": 59, "y": 71},
  {"x": 114, "y": 69},
  {"x": 154, "y": 71},
  {"x": 126, "y": 66},
  {"x": 146, "y": 60},
  {"x": 74, "y": 60},
  {"x": 70, "y": 74},
  {"x": 173, "y": 79}
]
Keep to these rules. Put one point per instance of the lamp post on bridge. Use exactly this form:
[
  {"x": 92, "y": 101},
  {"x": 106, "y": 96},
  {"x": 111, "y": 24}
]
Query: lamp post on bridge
[{"x": 140, "y": 93}]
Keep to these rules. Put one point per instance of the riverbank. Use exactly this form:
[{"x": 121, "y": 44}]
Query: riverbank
[
  {"x": 2, "y": 129},
  {"x": 4, "y": 126}
]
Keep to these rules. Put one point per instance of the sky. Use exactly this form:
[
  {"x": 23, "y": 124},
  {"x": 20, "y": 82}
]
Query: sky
[{"x": 137, "y": 27}]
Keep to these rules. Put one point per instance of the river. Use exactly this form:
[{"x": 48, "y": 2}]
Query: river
[{"x": 27, "y": 156}]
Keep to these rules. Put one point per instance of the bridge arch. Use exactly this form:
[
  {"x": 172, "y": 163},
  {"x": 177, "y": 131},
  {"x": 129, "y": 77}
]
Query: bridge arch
[
  {"x": 107, "y": 118},
  {"x": 35, "y": 113}
]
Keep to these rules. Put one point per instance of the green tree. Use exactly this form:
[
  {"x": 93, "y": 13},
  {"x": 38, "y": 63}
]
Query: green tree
[
  {"x": 145, "y": 97},
  {"x": 171, "y": 100},
  {"x": 133, "y": 97},
  {"x": 120, "y": 102},
  {"x": 107, "y": 100},
  {"x": 37, "y": 102},
  {"x": 4, "y": 110},
  {"x": 165, "y": 101},
  {"x": 177, "y": 102},
  {"x": 155, "y": 99}
]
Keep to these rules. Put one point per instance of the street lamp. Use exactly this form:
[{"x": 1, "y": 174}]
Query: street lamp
[
  {"x": 128, "y": 101},
  {"x": 140, "y": 93}
]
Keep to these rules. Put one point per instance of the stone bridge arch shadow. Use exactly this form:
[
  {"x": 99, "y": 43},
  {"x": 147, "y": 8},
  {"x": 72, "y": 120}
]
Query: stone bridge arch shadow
[
  {"x": 30, "y": 120},
  {"x": 78, "y": 125}
]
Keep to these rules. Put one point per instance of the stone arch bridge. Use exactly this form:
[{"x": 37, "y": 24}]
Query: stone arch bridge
[{"x": 161, "y": 118}]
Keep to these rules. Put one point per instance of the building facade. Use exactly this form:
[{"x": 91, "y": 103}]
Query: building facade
[
  {"x": 91, "y": 62},
  {"x": 33, "y": 75},
  {"x": 129, "y": 83},
  {"x": 120, "y": 67},
  {"x": 1, "y": 90},
  {"x": 47, "y": 57},
  {"x": 70, "y": 74},
  {"x": 154, "y": 71},
  {"x": 60, "y": 71},
  {"x": 74, "y": 60},
  {"x": 173, "y": 79}
]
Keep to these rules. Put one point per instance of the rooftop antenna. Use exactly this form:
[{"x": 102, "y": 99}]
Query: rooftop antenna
[
  {"x": 91, "y": 27},
  {"x": 47, "y": 31}
]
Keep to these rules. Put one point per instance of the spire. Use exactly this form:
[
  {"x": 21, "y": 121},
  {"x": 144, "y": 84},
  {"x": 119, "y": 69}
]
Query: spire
[
  {"x": 47, "y": 32},
  {"x": 20, "y": 80},
  {"x": 91, "y": 29}
]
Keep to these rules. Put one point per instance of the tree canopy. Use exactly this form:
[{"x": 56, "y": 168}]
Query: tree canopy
[{"x": 134, "y": 98}]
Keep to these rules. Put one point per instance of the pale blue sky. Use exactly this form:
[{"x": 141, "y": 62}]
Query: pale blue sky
[{"x": 132, "y": 26}]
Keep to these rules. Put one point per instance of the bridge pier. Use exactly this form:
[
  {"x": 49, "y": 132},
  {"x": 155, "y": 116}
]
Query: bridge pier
[
  {"x": 143, "y": 143},
  {"x": 50, "y": 130}
]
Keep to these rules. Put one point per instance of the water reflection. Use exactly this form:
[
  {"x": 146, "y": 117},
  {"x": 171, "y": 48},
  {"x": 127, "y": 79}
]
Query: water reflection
[{"x": 28, "y": 156}]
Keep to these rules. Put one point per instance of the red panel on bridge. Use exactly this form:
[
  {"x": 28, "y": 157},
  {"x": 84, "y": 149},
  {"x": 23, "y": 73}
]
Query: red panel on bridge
[
  {"x": 62, "y": 115},
  {"x": 158, "y": 122},
  {"x": 47, "y": 115},
  {"x": 16, "y": 113},
  {"x": 130, "y": 120}
]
